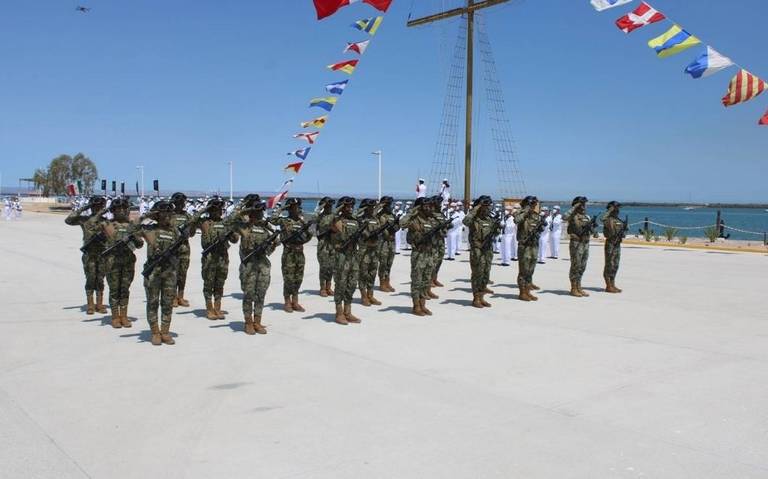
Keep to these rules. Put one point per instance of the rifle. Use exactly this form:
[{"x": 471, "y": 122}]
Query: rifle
[
  {"x": 261, "y": 247},
  {"x": 354, "y": 238},
  {"x": 162, "y": 257},
  {"x": 298, "y": 232},
  {"x": 494, "y": 232},
  {"x": 222, "y": 239},
  {"x": 431, "y": 234},
  {"x": 97, "y": 238},
  {"x": 123, "y": 242},
  {"x": 535, "y": 233},
  {"x": 591, "y": 228}
]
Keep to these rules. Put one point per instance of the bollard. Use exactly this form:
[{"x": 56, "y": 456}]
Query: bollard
[{"x": 645, "y": 225}]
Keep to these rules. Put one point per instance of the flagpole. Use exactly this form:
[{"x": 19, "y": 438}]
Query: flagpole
[
  {"x": 231, "y": 190},
  {"x": 378, "y": 154}
]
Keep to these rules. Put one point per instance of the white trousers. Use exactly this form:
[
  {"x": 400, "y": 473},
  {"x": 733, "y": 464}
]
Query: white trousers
[
  {"x": 508, "y": 248},
  {"x": 398, "y": 240},
  {"x": 554, "y": 243},
  {"x": 544, "y": 245}
]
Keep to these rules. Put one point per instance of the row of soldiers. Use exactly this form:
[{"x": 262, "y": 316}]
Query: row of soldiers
[{"x": 354, "y": 247}]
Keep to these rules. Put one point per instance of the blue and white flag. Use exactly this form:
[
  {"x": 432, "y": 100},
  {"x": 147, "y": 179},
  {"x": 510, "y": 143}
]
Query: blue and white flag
[
  {"x": 302, "y": 153},
  {"x": 601, "y": 5},
  {"x": 337, "y": 88},
  {"x": 708, "y": 63}
]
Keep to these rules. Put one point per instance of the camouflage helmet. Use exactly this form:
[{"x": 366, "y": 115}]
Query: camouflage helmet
[
  {"x": 529, "y": 201},
  {"x": 613, "y": 205},
  {"x": 119, "y": 203},
  {"x": 178, "y": 196},
  {"x": 345, "y": 200},
  {"x": 579, "y": 199},
  {"x": 325, "y": 200},
  {"x": 367, "y": 202},
  {"x": 250, "y": 199},
  {"x": 97, "y": 200},
  {"x": 419, "y": 201},
  {"x": 257, "y": 206},
  {"x": 386, "y": 200},
  {"x": 290, "y": 202},
  {"x": 215, "y": 202},
  {"x": 162, "y": 206}
]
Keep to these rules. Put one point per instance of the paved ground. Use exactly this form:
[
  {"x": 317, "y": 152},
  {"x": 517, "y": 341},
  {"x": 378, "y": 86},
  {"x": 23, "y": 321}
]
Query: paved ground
[{"x": 668, "y": 380}]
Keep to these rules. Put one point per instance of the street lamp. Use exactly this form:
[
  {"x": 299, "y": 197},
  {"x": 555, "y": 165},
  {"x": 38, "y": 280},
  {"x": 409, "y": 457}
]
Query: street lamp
[
  {"x": 378, "y": 153},
  {"x": 141, "y": 179},
  {"x": 230, "y": 181}
]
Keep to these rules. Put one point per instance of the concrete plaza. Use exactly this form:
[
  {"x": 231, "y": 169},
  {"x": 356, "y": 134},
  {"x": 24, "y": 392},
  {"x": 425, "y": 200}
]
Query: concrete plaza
[{"x": 667, "y": 380}]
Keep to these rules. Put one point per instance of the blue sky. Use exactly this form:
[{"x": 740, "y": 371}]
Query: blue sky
[{"x": 184, "y": 86}]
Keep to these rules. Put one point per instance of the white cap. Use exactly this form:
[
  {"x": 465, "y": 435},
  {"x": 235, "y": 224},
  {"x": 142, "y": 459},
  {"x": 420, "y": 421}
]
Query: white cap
[
  {"x": 556, "y": 208},
  {"x": 544, "y": 208},
  {"x": 421, "y": 179}
]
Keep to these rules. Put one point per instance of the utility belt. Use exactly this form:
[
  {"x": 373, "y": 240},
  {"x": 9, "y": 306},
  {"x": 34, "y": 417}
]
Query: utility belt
[{"x": 293, "y": 247}]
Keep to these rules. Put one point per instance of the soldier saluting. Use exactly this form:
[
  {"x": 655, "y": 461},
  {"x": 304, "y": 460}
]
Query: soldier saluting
[
  {"x": 529, "y": 227},
  {"x": 93, "y": 246},
  {"x": 181, "y": 220},
  {"x": 614, "y": 231},
  {"x": 325, "y": 251},
  {"x": 420, "y": 223},
  {"x": 369, "y": 251},
  {"x": 483, "y": 229},
  {"x": 294, "y": 233},
  {"x": 345, "y": 232},
  {"x": 216, "y": 235},
  {"x": 580, "y": 229},
  {"x": 387, "y": 243}
]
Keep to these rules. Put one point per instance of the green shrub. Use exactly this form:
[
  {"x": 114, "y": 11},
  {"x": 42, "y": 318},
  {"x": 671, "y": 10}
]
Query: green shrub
[
  {"x": 655, "y": 238},
  {"x": 647, "y": 234},
  {"x": 711, "y": 233},
  {"x": 683, "y": 239},
  {"x": 670, "y": 233}
]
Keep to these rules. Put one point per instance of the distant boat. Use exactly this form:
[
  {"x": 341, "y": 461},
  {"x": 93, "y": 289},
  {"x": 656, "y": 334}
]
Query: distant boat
[{"x": 689, "y": 208}]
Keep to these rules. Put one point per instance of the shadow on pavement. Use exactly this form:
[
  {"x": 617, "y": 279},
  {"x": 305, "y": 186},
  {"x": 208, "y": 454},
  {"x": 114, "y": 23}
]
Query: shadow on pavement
[
  {"x": 105, "y": 320},
  {"x": 235, "y": 326},
  {"x": 144, "y": 336},
  {"x": 327, "y": 317},
  {"x": 460, "y": 302},
  {"x": 199, "y": 313},
  {"x": 81, "y": 307},
  {"x": 397, "y": 309}
]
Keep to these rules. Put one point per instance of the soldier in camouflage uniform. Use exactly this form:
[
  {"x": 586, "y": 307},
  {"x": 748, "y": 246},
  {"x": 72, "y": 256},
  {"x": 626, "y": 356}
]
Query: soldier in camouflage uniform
[
  {"x": 255, "y": 271},
  {"x": 420, "y": 222},
  {"x": 439, "y": 244},
  {"x": 293, "y": 235},
  {"x": 369, "y": 251},
  {"x": 614, "y": 231},
  {"x": 387, "y": 243},
  {"x": 344, "y": 230},
  {"x": 483, "y": 229},
  {"x": 579, "y": 230},
  {"x": 160, "y": 284},
  {"x": 181, "y": 220},
  {"x": 529, "y": 227},
  {"x": 122, "y": 240},
  {"x": 93, "y": 246},
  {"x": 214, "y": 230},
  {"x": 325, "y": 251}
]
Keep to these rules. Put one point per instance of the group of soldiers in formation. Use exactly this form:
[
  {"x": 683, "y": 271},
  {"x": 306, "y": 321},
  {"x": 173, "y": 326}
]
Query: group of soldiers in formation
[
  {"x": 12, "y": 208},
  {"x": 354, "y": 247}
]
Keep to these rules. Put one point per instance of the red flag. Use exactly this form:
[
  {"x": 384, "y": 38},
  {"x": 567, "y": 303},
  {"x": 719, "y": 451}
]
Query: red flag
[
  {"x": 743, "y": 87},
  {"x": 294, "y": 167},
  {"x": 273, "y": 200},
  {"x": 764, "y": 119},
  {"x": 326, "y": 8},
  {"x": 642, "y": 16}
]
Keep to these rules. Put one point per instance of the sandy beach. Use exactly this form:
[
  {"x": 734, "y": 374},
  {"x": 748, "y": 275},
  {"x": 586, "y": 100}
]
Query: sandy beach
[{"x": 667, "y": 380}]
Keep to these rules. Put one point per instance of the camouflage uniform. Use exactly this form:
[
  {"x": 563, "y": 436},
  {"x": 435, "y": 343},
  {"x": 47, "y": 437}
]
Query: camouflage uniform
[
  {"x": 180, "y": 220},
  {"x": 293, "y": 260},
  {"x": 438, "y": 248},
  {"x": 386, "y": 253},
  {"x": 160, "y": 285},
  {"x": 579, "y": 232},
  {"x": 614, "y": 231},
  {"x": 368, "y": 254},
  {"x": 422, "y": 253},
  {"x": 325, "y": 251},
  {"x": 93, "y": 263},
  {"x": 121, "y": 264},
  {"x": 255, "y": 273},
  {"x": 216, "y": 263},
  {"x": 481, "y": 235},
  {"x": 347, "y": 264},
  {"x": 528, "y": 232}
]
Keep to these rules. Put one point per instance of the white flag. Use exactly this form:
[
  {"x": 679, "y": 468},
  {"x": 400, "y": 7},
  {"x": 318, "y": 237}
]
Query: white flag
[{"x": 601, "y": 5}]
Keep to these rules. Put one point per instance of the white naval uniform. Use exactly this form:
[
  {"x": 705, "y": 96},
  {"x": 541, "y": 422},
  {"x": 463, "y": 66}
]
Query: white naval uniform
[
  {"x": 399, "y": 233},
  {"x": 544, "y": 240},
  {"x": 7, "y": 209},
  {"x": 454, "y": 235},
  {"x": 421, "y": 191},
  {"x": 509, "y": 241},
  {"x": 463, "y": 238},
  {"x": 554, "y": 236}
]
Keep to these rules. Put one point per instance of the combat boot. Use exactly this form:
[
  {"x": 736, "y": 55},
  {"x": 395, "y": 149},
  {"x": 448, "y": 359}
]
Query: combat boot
[
  {"x": 424, "y": 307},
  {"x": 210, "y": 313},
  {"x": 323, "y": 291},
  {"x": 257, "y": 324},
  {"x": 581, "y": 290},
  {"x": 288, "y": 307},
  {"x": 575, "y": 290},
  {"x": 249, "y": 329},
  {"x": 100, "y": 302},
  {"x": 616, "y": 289},
  {"x": 476, "y": 301},
  {"x": 217, "y": 309},
  {"x": 417, "y": 310},
  {"x": 533, "y": 287},
  {"x": 348, "y": 314},
  {"x": 389, "y": 286},
  {"x": 372, "y": 300},
  {"x": 116, "y": 318},
  {"x": 530, "y": 295},
  {"x": 487, "y": 290},
  {"x": 124, "y": 317},
  {"x": 328, "y": 288},
  {"x": 156, "y": 340},
  {"x": 165, "y": 333},
  {"x": 91, "y": 307},
  {"x": 437, "y": 283},
  {"x": 181, "y": 300},
  {"x": 364, "y": 299},
  {"x": 608, "y": 286},
  {"x": 340, "y": 318},
  {"x": 523, "y": 292},
  {"x": 485, "y": 303},
  {"x": 295, "y": 304},
  {"x": 431, "y": 295},
  {"x": 175, "y": 303}
]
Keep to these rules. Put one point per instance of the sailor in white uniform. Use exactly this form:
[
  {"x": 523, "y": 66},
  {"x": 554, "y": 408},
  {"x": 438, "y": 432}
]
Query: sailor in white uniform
[
  {"x": 397, "y": 212},
  {"x": 544, "y": 238},
  {"x": 421, "y": 189},
  {"x": 445, "y": 193},
  {"x": 454, "y": 233},
  {"x": 7, "y": 207},
  {"x": 508, "y": 238},
  {"x": 556, "y": 231}
]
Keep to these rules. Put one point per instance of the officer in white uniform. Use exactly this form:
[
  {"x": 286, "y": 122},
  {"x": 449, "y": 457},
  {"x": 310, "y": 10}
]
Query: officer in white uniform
[
  {"x": 397, "y": 212},
  {"x": 556, "y": 231},
  {"x": 508, "y": 239},
  {"x": 421, "y": 189},
  {"x": 445, "y": 193},
  {"x": 544, "y": 238},
  {"x": 454, "y": 233},
  {"x": 7, "y": 209}
]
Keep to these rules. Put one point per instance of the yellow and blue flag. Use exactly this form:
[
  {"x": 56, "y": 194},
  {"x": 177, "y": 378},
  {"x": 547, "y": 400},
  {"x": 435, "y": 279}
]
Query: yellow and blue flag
[
  {"x": 326, "y": 103},
  {"x": 369, "y": 25},
  {"x": 674, "y": 41}
]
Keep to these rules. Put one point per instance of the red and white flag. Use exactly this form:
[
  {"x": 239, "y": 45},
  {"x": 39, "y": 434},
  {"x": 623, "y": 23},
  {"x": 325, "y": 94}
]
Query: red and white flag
[
  {"x": 764, "y": 119},
  {"x": 743, "y": 87},
  {"x": 358, "y": 47},
  {"x": 642, "y": 16},
  {"x": 273, "y": 200},
  {"x": 310, "y": 137},
  {"x": 326, "y": 8},
  {"x": 72, "y": 189}
]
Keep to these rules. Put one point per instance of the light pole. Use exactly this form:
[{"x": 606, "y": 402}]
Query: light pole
[
  {"x": 378, "y": 153},
  {"x": 230, "y": 182},
  {"x": 141, "y": 179}
]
